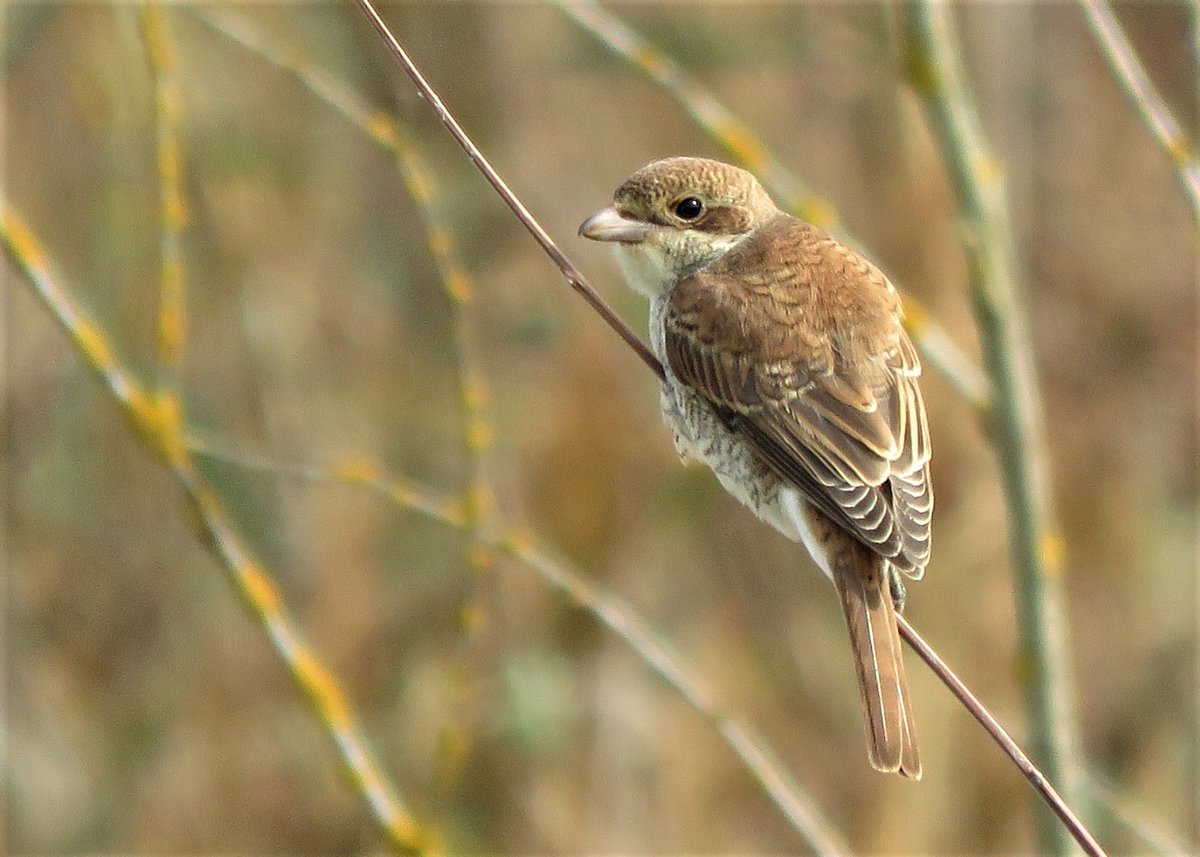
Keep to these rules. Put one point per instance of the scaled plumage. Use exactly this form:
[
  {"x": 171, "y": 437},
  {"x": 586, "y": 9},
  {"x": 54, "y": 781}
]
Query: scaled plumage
[{"x": 790, "y": 375}]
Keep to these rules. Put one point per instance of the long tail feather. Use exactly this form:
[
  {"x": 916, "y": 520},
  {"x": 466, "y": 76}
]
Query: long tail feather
[{"x": 862, "y": 585}]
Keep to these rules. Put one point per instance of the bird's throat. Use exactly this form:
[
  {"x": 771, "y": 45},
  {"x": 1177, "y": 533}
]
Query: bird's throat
[{"x": 645, "y": 267}]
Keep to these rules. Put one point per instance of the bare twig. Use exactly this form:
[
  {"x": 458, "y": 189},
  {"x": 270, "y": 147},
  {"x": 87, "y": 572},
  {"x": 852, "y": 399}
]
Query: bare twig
[
  {"x": 574, "y": 278},
  {"x": 935, "y": 71},
  {"x": 460, "y": 513},
  {"x": 1131, "y": 74},
  {"x": 796, "y": 805},
  {"x": 1040, "y": 783},
  {"x": 1003, "y": 740},
  {"x": 703, "y": 107}
]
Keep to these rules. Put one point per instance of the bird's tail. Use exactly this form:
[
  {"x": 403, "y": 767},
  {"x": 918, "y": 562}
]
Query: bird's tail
[{"x": 861, "y": 578}]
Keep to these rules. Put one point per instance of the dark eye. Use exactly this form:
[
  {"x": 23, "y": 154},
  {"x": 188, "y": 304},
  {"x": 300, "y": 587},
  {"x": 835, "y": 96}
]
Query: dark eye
[{"x": 689, "y": 208}]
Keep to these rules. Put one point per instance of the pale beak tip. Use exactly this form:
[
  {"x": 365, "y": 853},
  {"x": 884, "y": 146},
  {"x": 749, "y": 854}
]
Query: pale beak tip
[
  {"x": 607, "y": 224},
  {"x": 594, "y": 225}
]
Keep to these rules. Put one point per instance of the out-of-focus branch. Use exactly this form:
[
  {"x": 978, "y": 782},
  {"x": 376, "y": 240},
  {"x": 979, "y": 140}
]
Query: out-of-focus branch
[
  {"x": 607, "y": 609},
  {"x": 1137, "y": 818},
  {"x": 935, "y": 71},
  {"x": 463, "y": 512},
  {"x": 155, "y": 419},
  {"x": 1131, "y": 74},
  {"x": 456, "y": 280},
  {"x": 705, "y": 109},
  {"x": 172, "y": 312}
]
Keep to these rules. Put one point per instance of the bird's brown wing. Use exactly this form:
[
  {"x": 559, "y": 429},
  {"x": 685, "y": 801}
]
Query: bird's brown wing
[{"x": 810, "y": 364}]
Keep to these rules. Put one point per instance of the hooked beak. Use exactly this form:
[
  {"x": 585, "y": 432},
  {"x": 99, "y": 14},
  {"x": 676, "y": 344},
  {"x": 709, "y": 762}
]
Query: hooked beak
[{"x": 608, "y": 224}]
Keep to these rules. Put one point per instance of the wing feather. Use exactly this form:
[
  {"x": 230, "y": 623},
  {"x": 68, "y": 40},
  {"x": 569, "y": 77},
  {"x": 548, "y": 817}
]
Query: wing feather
[{"x": 812, "y": 367}]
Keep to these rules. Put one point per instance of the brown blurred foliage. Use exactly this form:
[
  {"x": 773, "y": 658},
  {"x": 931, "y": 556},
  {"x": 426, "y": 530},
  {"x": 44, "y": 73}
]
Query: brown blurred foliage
[{"x": 145, "y": 711}]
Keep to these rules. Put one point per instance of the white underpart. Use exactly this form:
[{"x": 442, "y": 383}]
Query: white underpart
[{"x": 793, "y": 507}]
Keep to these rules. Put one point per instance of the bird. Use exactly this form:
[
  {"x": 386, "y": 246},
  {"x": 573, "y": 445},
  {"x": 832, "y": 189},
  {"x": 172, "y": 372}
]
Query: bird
[{"x": 788, "y": 372}]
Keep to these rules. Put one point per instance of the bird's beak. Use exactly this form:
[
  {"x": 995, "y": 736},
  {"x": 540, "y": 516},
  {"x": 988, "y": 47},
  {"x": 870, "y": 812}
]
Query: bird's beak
[{"x": 608, "y": 224}]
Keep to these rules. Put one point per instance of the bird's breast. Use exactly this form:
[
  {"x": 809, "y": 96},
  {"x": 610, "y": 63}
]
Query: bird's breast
[{"x": 701, "y": 435}]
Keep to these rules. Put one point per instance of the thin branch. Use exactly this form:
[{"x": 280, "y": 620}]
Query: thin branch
[
  {"x": 1003, "y": 740},
  {"x": 705, "y": 109},
  {"x": 1085, "y": 839},
  {"x": 383, "y": 129},
  {"x": 360, "y": 472},
  {"x": 935, "y": 71},
  {"x": 1132, "y": 76},
  {"x": 476, "y": 506},
  {"x": 574, "y": 278},
  {"x": 796, "y": 805}
]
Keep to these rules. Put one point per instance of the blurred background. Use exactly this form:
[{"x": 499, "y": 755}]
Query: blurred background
[{"x": 146, "y": 711}]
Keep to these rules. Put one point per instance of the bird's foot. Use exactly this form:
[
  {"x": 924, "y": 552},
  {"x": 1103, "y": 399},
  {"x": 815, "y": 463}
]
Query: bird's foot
[{"x": 896, "y": 585}]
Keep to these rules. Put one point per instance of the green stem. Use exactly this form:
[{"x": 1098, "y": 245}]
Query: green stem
[
  {"x": 1129, "y": 72},
  {"x": 1015, "y": 416}
]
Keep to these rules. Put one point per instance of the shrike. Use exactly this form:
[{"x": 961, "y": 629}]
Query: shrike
[{"x": 789, "y": 374}]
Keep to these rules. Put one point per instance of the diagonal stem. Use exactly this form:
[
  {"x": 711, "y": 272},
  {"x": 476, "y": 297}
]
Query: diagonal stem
[
  {"x": 156, "y": 422},
  {"x": 574, "y": 278},
  {"x": 1132, "y": 76},
  {"x": 998, "y": 734},
  {"x": 1040, "y": 782}
]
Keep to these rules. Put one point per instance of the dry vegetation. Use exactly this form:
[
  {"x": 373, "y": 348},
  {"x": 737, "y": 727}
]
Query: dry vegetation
[{"x": 146, "y": 708}]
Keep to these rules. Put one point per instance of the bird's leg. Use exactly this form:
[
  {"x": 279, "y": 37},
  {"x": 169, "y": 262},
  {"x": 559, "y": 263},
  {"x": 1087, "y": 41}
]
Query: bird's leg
[{"x": 896, "y": 585}]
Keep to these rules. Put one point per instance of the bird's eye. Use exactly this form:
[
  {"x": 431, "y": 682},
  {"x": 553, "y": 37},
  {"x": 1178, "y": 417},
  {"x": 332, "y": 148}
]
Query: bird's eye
[{"x": 688, "y": 208}]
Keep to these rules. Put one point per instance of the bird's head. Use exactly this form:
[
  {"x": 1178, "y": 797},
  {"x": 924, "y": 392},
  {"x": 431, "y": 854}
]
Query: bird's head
[{"x": 675, "y": 216}]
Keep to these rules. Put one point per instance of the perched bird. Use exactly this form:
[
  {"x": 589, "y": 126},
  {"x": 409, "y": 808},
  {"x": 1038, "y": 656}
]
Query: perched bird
[{"x": 789, "y": 374}]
